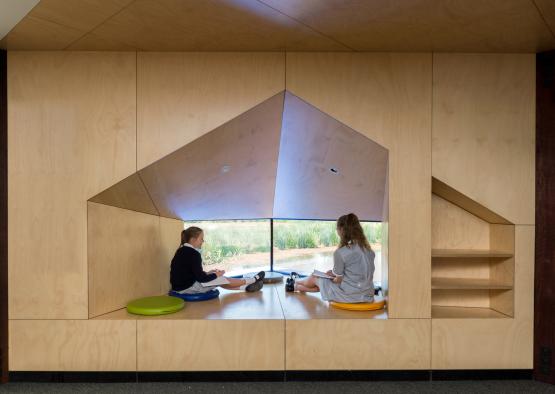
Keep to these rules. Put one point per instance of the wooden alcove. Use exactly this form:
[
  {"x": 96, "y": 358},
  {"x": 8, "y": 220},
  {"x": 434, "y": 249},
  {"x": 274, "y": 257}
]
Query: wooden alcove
[
  {"x": 472, "y": 258},
  {"x": 272, "y": 161},
  {"x": 278, "y": 158}
]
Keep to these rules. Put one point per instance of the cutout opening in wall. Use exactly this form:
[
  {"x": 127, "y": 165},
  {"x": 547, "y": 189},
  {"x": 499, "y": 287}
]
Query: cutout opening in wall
[
  {"x": 473, "y": 261},
  {"x": 282, "y": 160},
  {"x": 245, "y": 246}
]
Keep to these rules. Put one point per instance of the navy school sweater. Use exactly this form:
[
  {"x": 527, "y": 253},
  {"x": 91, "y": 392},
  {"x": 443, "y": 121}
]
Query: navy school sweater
[{"x": 186, "y": 268}]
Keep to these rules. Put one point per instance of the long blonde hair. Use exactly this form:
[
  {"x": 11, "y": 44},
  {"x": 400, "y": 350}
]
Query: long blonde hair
[{"x": 350, "y": 232}]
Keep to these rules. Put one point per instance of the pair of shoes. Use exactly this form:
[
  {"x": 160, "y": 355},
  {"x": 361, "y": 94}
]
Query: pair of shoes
[
  {"x": 258, "y": 282},
  {"x": 290, "y": 282}
]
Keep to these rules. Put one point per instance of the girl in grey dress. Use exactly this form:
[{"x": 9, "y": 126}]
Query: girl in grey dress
[{"x": 353, "y": 267}]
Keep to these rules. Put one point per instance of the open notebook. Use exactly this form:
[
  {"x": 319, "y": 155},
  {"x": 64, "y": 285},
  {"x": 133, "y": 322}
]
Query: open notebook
[{"x": 321, "y": 274}]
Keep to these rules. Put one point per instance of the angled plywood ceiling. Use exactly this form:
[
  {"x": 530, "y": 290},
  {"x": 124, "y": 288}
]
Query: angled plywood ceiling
[
  {"x": 294, "y": 25},
  {"x": 325, "y": 168},
  {"x": 283, "y": 158},
  {"x": 455, "y": 197}
]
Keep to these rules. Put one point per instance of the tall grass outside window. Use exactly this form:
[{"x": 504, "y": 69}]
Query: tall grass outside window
[
  {"x": 305, "y": 245},
  {"x": 236, "y": 246},
  {"x": 243, "y": 246}
]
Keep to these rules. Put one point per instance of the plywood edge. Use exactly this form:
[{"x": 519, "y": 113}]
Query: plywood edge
[
  {"x": 448, "y": 193},
  {"x": 130, "y": 193},
  {"x": 461, "y": 312}
]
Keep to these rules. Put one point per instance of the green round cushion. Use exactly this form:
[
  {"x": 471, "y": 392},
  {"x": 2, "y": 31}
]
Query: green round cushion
[{"x": 157, "y": 305}]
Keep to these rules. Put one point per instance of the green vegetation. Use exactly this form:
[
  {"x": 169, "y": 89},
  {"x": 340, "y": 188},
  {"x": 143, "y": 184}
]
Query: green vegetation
[
  {"x": 306, "y": 234},
  {"x": 227, "y": 239},
  {"x": 230, "y": 238}
]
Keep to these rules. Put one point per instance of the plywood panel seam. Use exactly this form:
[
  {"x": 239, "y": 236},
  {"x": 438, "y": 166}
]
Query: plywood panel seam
[
  {"x": 99, "y": 317},
  {"x": 432, "y": 128},
  {"x": 125, "y": 209},
  {"x": 98, "y": 25},
  {"x": 137, "y": 121},
  {"x": 88, "y": 267},
  {"x": 285, "y": 70},
  {"x": 137, "y": 345},
  {"x": 149, "y": 195},
  {"x": 52, "y": 319},
  {"x": 430, "y": 355},
  {"x": 309, "y": 27},
  {"x": 543, "y": 18},
  {"x": 279, "y": 147},
  {"x": 284, "y": 329}
]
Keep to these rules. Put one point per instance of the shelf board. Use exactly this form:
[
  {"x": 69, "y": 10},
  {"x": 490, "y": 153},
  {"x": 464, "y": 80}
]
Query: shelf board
[
  {"x": 469, "y": 254},
  {"x": 467, "y": 284},
  {"x": 457, "y": 312}
]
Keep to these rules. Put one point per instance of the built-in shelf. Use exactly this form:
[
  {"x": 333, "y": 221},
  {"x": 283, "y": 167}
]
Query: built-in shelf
[
  {"x": 469, "y": 254},
  {"x": 467, "y": 284},
  {"x": 472, "y": 258},
  {"x": 454, "y": 312}
]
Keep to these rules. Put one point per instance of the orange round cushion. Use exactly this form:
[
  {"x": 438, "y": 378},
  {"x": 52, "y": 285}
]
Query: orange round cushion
[{"x": 378, "y": 303}]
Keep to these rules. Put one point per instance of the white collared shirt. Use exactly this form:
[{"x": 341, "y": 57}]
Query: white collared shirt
[{"x": 191, "y": 246}]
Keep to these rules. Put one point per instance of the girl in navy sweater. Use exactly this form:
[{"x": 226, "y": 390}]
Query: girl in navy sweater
[{"x": 187, "y": 274}]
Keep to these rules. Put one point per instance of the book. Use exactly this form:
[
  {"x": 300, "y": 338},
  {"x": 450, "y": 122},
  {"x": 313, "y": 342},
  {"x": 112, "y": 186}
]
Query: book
[
  {"x": 220, "y": 280},
  {"x": 321, "y": 274}
]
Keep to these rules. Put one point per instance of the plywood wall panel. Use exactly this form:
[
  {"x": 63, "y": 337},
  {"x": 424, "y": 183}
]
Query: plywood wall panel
[
  {"x": 126, "y": 258},
  {"x": 182, "y": 96},
  {"x": 73, "y": 345},
  {"x": 365, "y": 344},
  {"x": 455, "y": 228},
  {"x": 207, "y": 345},
  {"x": 480, "y": 344},
  {"x": 170, "y": 239},
  {"x": 386, "y": 97},
  {"x": 483, "y": 139},
  {"x": 71, "y": 125}
]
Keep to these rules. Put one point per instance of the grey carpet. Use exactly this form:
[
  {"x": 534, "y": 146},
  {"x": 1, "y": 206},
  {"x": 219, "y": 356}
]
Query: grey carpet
[{"x": 493, "y": 386}]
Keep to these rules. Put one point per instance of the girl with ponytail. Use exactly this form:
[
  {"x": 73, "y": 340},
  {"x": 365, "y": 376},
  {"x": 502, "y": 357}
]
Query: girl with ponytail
[{"x": 353, "y": 267}]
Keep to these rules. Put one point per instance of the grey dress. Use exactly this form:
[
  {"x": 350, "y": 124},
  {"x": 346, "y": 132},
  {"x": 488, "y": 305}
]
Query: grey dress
[{"x": 356, "y": 264}]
